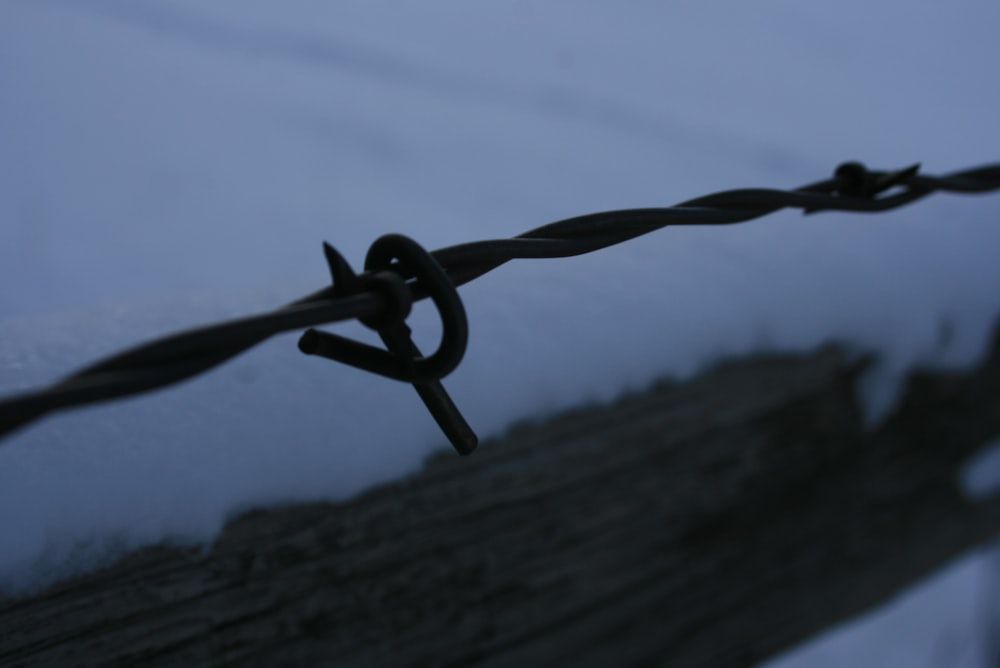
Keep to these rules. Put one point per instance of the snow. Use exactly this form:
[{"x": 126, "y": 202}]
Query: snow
[
  {"x": 165, "y": 164},
  {"x": 937, "y": 622}
]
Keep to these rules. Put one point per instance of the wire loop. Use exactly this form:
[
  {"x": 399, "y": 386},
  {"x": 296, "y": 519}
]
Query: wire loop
[
  {"x": 383, "y": 275},
  {"x": 402, "y": 360}
]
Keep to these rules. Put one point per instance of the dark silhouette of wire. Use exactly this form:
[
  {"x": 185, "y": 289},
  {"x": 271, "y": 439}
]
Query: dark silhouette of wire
[{"x": 398, "y": 272}]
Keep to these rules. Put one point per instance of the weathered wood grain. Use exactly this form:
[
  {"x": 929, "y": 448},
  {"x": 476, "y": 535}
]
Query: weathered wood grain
[{"x": 714, "y": 522}]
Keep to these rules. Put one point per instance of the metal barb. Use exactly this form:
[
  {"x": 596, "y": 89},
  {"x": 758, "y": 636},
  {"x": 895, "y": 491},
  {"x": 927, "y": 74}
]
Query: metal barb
[
  {"x": 402, "y": 360},
  {"x": 858, "y": 181}
]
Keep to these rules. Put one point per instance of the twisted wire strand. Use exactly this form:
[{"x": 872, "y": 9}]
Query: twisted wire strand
[{"x": 180, "y": 356}]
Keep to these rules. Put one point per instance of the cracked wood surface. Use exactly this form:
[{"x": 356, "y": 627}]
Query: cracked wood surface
[{"x": 714, "y": 522}]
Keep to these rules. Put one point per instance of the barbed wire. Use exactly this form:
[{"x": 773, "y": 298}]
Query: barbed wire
[{"x": 399, "y": 272}]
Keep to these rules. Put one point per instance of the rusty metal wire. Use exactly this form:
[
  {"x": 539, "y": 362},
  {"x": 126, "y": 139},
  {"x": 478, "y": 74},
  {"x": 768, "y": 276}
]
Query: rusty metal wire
[{"x": 398, "y": 272}]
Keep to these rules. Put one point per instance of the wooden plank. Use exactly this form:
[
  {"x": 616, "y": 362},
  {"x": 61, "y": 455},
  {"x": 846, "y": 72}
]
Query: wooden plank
[{"x": 714, "y": 522}]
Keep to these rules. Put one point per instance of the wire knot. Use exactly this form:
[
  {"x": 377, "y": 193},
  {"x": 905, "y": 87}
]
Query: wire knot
[
  {"x": 856, "y": 180},
  {"x": 390, "y": 261}
]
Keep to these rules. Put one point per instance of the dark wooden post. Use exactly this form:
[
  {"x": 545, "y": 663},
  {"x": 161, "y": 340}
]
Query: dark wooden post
[{"x": 714, "y": 522}]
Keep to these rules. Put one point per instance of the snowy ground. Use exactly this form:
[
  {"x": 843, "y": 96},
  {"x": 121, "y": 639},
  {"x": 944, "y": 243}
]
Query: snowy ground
[{"x": 164, "y": 164}]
